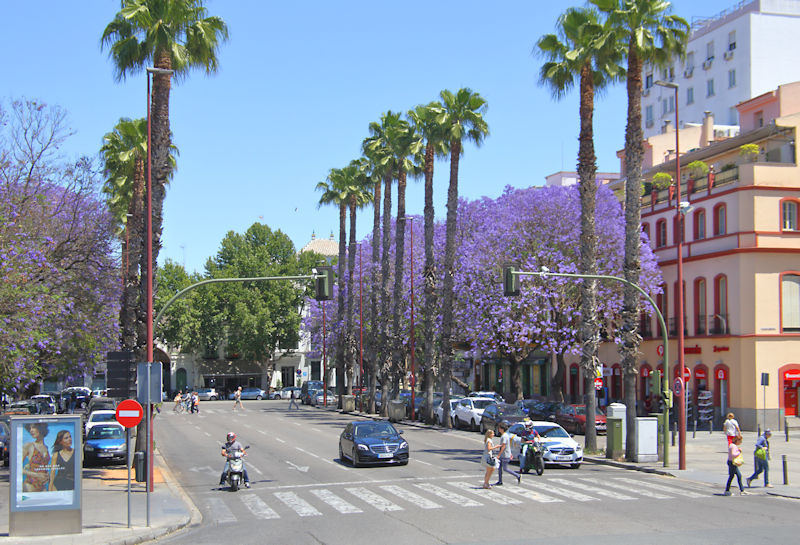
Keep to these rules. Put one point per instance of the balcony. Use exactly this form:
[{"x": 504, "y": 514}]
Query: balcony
[
  {"x": 673, "y": 327},
  {"x": 700, "y": 324},
  {"x": 646, "y": 328},
  {"x": 718, "y": 324}
]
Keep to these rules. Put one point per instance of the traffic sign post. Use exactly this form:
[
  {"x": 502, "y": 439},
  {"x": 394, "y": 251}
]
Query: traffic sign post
[
  {"x": 129, "y": 414},
  {"x": 678, "y": 387},
  {"x": 598, "y": 383}
]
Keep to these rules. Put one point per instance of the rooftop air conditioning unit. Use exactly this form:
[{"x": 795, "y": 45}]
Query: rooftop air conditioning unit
[
  {"x": 728, "y": 55},
  {"x": 707, "y": 63},
  {"x": 688, "y": 72}
]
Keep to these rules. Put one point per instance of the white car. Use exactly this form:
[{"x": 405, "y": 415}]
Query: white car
[
  {"x": 438, "y": 412},
  {"x": 100, "y": 417},
  {"x": 469, "y": 411},
  {"x": 560, "y": 447},
  {"x": 207, "y": 394}
]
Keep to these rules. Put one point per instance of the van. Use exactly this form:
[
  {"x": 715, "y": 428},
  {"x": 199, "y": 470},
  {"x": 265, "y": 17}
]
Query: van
[{"x": 307, "y": 389}]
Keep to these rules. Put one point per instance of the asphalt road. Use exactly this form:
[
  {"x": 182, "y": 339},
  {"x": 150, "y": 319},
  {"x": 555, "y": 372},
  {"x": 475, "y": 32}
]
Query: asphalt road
[{"x": 303, "y": 494}]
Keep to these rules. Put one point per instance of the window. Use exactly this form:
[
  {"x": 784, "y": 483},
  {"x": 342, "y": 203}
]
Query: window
[
  {"x": 720, "y": 305},
  {"x": 720, "y": 220},
  {"x": 690, "y": 60},
  {"x": 661, "y": 233},
  {"x": 648, "y": 81},
  {"x": 710, "y": 50},
  {"x": 664, "y": 107},
  {"x": 661, "y": 303},
  {"x": 789, "y": 215},
  {"x": 671, "y": 103},
  {"x": 710, "y": 88},
  {"x": 700, "y": 225},
  {"x": 700, "y": 306},
  {"x": 731, "y": 78},
  {"x": 758, "y": 118},
  {"x": 648, "y": 114},
  {"x": 790, "y": 303},
  {"x": 731, "y": 40},
  {"x": 690, "y": 95}
]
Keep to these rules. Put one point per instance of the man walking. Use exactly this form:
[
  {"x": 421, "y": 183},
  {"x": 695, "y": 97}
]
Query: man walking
[
  {"x": 237, "y": 398},
  {"x": 762, "y": 459},
  {"x": 293, "y": 395},
  {"x": 505, "y": 454}
]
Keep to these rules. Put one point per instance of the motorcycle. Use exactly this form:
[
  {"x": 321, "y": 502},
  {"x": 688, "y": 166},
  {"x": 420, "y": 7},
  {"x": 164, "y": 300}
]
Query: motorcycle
[
  {"x": 236, "y": 468},
  {"x": 532, "y": 456}
]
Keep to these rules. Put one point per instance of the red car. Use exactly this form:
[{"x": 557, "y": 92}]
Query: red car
[{"x": 573, "y": 419}]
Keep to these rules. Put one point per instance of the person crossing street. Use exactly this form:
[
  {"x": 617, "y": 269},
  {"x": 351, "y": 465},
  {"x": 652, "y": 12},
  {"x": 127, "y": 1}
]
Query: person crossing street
[{"x": 505, "y": 454}]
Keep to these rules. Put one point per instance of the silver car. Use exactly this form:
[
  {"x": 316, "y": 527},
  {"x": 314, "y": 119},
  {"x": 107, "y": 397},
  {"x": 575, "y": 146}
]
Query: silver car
[{"x": 208, "y": 394}]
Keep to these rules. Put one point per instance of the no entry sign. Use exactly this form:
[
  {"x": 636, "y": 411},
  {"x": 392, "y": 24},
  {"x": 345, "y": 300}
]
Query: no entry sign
[{"x": 129, "y": 413}]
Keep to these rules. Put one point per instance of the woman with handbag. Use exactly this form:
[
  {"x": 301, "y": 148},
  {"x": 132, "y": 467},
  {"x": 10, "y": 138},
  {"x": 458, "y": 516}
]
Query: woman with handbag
[
  {"x": 735, "y": 460},
  {"x": 761, "y": 456},
  {"x": 489, "y": 459}
]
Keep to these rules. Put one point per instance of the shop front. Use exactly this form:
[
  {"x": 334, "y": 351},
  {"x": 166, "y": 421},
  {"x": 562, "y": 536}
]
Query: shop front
[
  {"x": 534, "y": 375},
  {"x": 790, "y": 384}
]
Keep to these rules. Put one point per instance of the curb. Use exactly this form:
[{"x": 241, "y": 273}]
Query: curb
[{"x": 627, "y": 465}]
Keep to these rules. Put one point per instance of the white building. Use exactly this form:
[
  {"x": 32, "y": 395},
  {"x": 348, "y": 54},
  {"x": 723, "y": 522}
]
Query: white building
[
  {"x": 565, "y": 178},
  {"x": 740, "y": 53}
]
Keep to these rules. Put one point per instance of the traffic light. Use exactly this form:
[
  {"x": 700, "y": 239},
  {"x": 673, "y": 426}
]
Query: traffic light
[
  {"x": 121, "y": 375},
  {"x": 323, "y": 283},
  {"x": 655, "y": 383},
  {"x": 667, "y": 399},
  {"x": 510, "y": 281}
]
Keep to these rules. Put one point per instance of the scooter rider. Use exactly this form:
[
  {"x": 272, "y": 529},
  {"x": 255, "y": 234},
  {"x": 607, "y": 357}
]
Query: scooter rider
[
  {"x": 232, "y": 445},
  {"x": 531, "y": 436}
]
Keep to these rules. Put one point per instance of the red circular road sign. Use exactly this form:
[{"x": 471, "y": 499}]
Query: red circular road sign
[
  {"x": 660, "y": 350},
  {"x": 598, "y": 384},
  {"x": 129, "y": 413}
]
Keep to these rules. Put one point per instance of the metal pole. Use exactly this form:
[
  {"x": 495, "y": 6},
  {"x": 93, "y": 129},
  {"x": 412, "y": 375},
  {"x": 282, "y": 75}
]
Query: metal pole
[
  {"x": 785, "y": 470},
  {"x": 764, "y": 415},
  {"x": 679, "y": 235},
  {"x": 149, "y": 445},
  {"x": 128, "y": 449},
  {"x": 360, "y": 332},
  {"x": 149, "y": 295},
  {"x": 413, "y": 367},
  {"x": 324, "y": 362}
]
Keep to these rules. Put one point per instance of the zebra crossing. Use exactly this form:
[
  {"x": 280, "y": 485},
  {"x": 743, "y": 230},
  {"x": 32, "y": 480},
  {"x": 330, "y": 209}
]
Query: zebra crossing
[{"x": 343, "y": 499}]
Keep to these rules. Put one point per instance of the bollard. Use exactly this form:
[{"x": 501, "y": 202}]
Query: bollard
[
  {"x": 758, "y": 430},
  {"x": 674, "y": 431},
  {"x": 786, "y": 428},
  {"x": 694, "y": 430},
  {"x": 785, "y": 470}
]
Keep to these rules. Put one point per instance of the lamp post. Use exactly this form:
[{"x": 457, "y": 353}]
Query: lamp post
[
  {"x": 360, "y": 332},
  {"x": 679, "y": 210}
]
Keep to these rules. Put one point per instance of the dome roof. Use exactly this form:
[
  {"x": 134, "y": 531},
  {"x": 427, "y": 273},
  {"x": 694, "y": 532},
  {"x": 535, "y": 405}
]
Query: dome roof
[{"x": 325, "y": 247}]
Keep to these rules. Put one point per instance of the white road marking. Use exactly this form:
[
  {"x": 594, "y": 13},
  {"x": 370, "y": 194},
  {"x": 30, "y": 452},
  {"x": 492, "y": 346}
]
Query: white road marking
[
  {"x": 299, "y": 505},
  {"x": 490, "y": 494},
  {"x": 220, "y": 513},
  {"x": 378, "y": 502},
  {"x": 316, "y": 430},
  {"x": 411, "y": 497},
  {"x": 262, "y": 432},
  {"x": 571, "y": 494},
  {"x": 321, "y": 458},
  {"x": 254, "y": 468},
  {"x": 647, "y": 493},
  {"x": 208, "y": 434},
  {"x": 421, "y": 462},
  {"x": 593, "y": 489},
  {"x": 371, "y": 481},
  {"x": 443, "y": 493},
  {"x": 335, "y": 501},
  {"x": 278, "y": 439},
  {"x": 257, "y": 506},
  {"x": 662, "y": 488},
  {"x": 303, "y": 469},
  {"x": 531, "y": 494}
]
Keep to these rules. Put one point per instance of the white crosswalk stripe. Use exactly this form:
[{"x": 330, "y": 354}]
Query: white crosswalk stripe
[
  {"x": 488, "y": 494},
  {"x": 335, "y": 501},
  {"x": 593, "y": 489},
  {"x": 531, "y": 495},
  {"x": 411, "y": 497},
  {"x": 571, "y": 494},
  {"x": 219, "y": 512},
  {"x": 378, "y": 502},
  {"x": 651, "y": 494},
  {"x": 296, "y": 503},
  {"x": 257, "y": 506},
  {"x": 654, "y": 486},
  {"x": 445, "y": 494}
]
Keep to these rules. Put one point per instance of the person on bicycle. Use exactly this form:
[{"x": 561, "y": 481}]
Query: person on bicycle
[
  {"x": 231, "y": 446},
  {"x": 178, "y": 399}
]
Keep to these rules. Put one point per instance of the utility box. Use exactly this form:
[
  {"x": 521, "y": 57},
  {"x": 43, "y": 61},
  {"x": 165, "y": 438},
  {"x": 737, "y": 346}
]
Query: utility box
[
  {"x": 140, "y": 466},
  {"x": 646, "y": 439},
  {"x": 618, "y": 410},
  {"x": 615, "y": 427},
  {"x": 660, "y": 439},
  {"x": 348, "y": 404},
  {"x": 397, "y": 411}
]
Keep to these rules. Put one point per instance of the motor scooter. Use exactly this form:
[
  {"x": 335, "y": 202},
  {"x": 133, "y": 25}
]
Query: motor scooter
[
  {"x": 532, "y": 456},
  {"x": 236, "y": 468}
]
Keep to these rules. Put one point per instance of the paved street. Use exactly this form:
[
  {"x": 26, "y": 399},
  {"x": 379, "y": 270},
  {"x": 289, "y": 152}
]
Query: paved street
[{"x": 302, "y": 493}]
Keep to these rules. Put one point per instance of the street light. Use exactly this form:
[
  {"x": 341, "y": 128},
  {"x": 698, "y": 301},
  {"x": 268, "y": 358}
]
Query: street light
[
  {"x": 360, "y": 332},
  {"x": 680, "y": 209},
  {"x": 413, "y": 367}
]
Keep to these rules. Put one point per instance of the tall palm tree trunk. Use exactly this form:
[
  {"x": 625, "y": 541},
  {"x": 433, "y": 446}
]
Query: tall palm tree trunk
[
  {"x": 587, "y": 168},
  {"x": 375, "y": 332},
  {"x": 429, "y": 287},
  {"x": 340, "y": 311},
  {"x": 385, "y": 355},
  {"x": 448, "y": 281},
  {"x": 133, "y": 252},
  {"x": 633, "y": 179},
  {"x": 398, "y": 359},
  {"x": 351, "y": 350}
]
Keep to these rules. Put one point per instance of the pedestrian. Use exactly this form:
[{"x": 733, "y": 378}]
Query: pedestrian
[
  {"x": 195, "y": 402},
  {"x": 505, "y": 454},
  {"x": 762, "y": 457},
  {"x": 237, "y": 398},
  {"x": 178, "y": 398},
  {"x": 293, "y": 395},
  {"x": 489, "y": 459},
  {"x": 735, "y": 460},
  {"x": 731, "y": 427}
]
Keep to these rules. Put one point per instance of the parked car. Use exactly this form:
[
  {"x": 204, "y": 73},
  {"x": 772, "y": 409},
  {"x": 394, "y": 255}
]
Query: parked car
[
  {"x": 99, "y": 393},
  {"x": 469, "y": 411},
  {"x": 101, "y": 404},
  {"x": 56, "y": 399},
  {"x": 560, "y": 447},
  {"x": 308, "y": 386},
  {"x": 46, "y": 404},
  {"x": 319, "y": 398},
  {"x": 25, "y": 406},
  {"x": 79, "y": 394},
  {"x": 543, "y": 410},
  {"x": 287, "y": 392},
  {"x": 373, "y": 442},
  {"x": 105, "y": 443},
  {"x": 573, "y": 419},
  {"x": 274, "y": 394},
  {"x": 438, "y": 412},
  {"x": 207, "y": 394},
  {"x": 251, "y": 392},
  {"x": 498, "y": 412},
  {"x": 5, "y": 441},
  {"x": 494, "y": 395},
  {"x": 99, "y": 417}
]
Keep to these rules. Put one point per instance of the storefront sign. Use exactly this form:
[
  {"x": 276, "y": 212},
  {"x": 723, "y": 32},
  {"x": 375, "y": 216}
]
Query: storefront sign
[
  {"x": 660, "y": 350},
  {"x": 687, "y": 374},
  {"x": 722, "y": 374},
  {"x": 792, "y": 374},
  {"x": 721, "y": 348},
  {"x": 645, "y": 372},
  {"x": 692, "y": 349},
  {"x": 617, "y": 371},
  {"x": 700, "y": 373}
]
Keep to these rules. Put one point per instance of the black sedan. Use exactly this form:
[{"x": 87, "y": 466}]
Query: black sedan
[
  {"x": 372, "y": 443},
  {"x": 498, "y": 412}
]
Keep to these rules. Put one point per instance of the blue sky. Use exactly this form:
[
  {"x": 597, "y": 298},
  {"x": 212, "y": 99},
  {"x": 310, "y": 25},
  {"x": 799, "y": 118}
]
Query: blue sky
[{"x": 297, "y": 87}]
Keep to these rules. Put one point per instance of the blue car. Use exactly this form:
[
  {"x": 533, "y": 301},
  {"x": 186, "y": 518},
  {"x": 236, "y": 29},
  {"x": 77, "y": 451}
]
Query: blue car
[
  {"x": 105, "y": 444},
  {"x": 372, "y": 443}
]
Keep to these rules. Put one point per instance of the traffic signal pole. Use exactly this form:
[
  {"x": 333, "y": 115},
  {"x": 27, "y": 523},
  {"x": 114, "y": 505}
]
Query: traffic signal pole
[{"x": 510, "y": 274}]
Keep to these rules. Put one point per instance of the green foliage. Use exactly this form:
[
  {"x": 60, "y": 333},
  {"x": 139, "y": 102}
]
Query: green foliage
[
  {"x": 749, "y": 151},
  {"x": 662, "y": 180},
  {"x": 697, "y": 169}
]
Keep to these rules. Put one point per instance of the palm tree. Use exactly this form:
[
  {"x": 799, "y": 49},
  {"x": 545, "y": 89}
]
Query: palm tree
[
  {"x": 428, "y": 121},
  {"x": 583, "y": 49},
  {"x": 463, "y": 119},
  {"x": 651, "y": 35},
  {"x": 175, "y": 35}
]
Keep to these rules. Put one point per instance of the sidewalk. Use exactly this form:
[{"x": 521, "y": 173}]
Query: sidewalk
[{"x": 105, "y": 509}]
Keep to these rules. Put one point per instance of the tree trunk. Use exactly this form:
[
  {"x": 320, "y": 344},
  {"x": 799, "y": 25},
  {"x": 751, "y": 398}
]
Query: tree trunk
[
  {"x": 375, "y": 331},
  {"x": 340, "y": 311},
  {"x": 558, "y": 383},
  {"x": 448, "y": 281},
  {"x": 133, "y": 257},
  {"x": 429, "y": 275},
  {"x": 516, "y": 379},
  {"x": 587, "y": 168},
  {"x": 629, "y": 349},
  {"x": 351, "y": 346},
  {"x": 398, "y": 359},
  {"x": 384, "y": 350}
]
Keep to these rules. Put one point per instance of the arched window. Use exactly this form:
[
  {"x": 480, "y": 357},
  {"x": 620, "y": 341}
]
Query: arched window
[
  {"x": 661, "y": 233},
  {"x": 721, "y": 326},
  {"x": 720, "y": 220},
  {"x": 661, "y": 303},
  {"x": 790, "y": 302},
  {"x": 700, "y": 306},
  {"x": 789, "y": 215},
  {"x": 700, "y": 224}
]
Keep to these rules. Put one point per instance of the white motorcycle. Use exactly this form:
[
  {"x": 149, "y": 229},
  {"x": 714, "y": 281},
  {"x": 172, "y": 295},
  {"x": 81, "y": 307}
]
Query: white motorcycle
[{"x": 236, "y": 468}]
